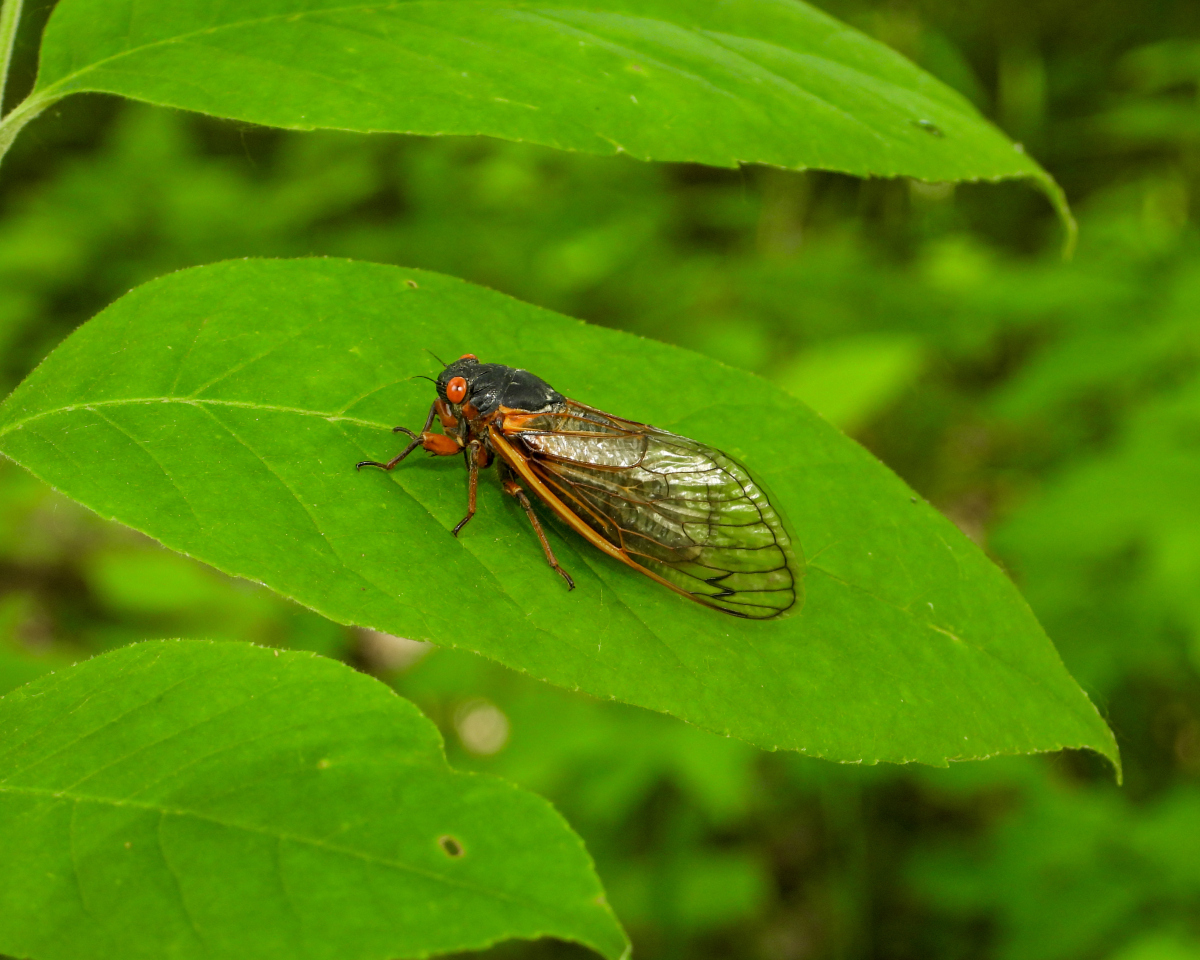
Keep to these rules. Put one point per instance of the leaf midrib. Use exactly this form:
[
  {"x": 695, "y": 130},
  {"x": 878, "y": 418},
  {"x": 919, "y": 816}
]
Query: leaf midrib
[
  {"x": 542, "y": 10},
  {"x": 279, "y": 835},
  {"x": 195, "y": 401},
  {"x": 335, "y": 417}
]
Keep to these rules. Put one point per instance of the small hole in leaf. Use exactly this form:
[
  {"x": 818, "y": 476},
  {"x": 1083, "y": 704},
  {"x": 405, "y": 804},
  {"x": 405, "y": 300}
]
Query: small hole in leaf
[
  {"x": 411, "y": 283},
  {"x": 450, "y": 846},
  {"x": 929, "y": 127}
]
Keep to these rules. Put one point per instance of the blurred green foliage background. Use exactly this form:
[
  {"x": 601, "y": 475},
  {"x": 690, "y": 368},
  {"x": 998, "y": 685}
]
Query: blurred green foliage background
[{"x": 1051, "y": 408}]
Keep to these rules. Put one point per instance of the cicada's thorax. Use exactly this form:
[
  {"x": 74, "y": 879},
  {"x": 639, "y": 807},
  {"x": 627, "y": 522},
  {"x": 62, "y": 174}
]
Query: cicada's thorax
[{"x": 473, "y": 396}]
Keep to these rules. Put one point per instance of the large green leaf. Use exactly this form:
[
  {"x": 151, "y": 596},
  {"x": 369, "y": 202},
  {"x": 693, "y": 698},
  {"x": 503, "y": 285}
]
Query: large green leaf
[
  {"x": 222, "y": 410},
  {"x": 762, "y": 81},
  {"x": 215, "y": 800}
]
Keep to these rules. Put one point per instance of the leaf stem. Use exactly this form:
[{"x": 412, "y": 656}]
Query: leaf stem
[
  {"x": 20, "y": 115},
  {"x": 10, "y": 18},
  {"x": 31, "y": 106},
  {"x": 1058, "y": 199}
]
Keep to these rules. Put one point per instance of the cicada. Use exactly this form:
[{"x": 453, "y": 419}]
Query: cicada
[{"x": 677, "y": 510}]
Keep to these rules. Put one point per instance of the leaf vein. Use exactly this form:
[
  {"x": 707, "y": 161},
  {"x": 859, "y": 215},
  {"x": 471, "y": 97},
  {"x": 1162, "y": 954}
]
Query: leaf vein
[
  {"x": 146, "y": 450},
  {"x": 178, "y": 883}
]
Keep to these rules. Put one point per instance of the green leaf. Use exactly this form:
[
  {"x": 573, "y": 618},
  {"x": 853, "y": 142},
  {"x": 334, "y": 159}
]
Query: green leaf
[
  {"x": 222, "y": 410},
  {"x": 752, "y": 81},
  {"x": 188, "y": 799}
]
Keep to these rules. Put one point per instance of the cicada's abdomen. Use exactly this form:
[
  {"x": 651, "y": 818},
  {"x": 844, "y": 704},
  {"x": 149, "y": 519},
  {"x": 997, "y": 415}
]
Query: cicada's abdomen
[{"x": 683, "y": 511}]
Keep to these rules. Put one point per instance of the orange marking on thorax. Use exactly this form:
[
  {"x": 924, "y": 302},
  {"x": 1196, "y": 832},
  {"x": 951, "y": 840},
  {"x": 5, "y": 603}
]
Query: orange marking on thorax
[{"x": 513, "y": 421}]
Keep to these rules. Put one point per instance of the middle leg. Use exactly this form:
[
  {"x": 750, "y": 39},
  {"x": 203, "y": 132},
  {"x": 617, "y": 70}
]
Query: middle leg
[{"x": 474, "y": 453}]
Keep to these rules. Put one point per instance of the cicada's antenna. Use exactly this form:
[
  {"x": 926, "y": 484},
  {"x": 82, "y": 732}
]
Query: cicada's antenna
[
  {"x": 436, "y": 357},
  {"x": 421, "y": 376}
]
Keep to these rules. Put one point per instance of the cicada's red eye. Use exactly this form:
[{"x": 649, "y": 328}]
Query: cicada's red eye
[
  {"x": 456, "y": 389},
  {"x": 468, "y": 356}
]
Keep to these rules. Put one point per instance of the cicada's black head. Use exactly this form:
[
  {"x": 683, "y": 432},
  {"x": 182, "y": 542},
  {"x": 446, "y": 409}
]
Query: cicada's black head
[
  {"x": 489, "y": 386},
  {"x": 466, "y": 368}
]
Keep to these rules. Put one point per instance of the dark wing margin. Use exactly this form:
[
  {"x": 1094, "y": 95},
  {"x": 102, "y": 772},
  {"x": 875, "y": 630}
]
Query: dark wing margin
[{"x": 678, "y": 509}]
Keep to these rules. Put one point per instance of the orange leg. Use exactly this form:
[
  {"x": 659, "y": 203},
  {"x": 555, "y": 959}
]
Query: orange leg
[
  {"x": 435, "y": 443},
  {"x": 513, "y": 490},
  {"x": 449, "y": 421},
  {"x": 473, "y": 457}
]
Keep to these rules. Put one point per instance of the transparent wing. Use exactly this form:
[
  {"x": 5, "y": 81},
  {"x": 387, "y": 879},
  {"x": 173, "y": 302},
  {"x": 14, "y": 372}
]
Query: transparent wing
[{"x": 679, "y": 508}]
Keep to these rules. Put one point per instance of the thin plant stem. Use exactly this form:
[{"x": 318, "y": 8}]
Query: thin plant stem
[
  {"x": 30, "y": 107},
  {"x": 20, "y": 115},
  {"x": 10, "y": 18}
]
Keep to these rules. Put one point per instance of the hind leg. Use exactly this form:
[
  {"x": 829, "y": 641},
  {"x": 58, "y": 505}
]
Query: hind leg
[{"x": 513, "y": 489}]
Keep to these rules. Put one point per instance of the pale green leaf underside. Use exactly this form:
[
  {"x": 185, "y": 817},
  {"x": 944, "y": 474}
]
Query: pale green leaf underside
[
  {"x": 222, "y": 409},
  {"x": 197, "y": 800},
  {"x": 739, "y": 81}
]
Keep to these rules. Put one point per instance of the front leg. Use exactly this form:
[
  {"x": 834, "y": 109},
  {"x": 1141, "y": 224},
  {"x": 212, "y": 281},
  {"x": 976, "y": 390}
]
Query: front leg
[{"x": 436, "y": 443}]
